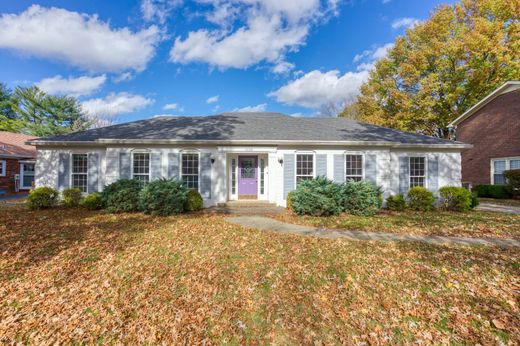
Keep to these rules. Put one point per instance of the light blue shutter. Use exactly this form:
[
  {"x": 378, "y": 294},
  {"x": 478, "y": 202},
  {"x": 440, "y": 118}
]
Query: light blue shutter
[
  {"x": 156, "y": 165},
  {"x": 64, "y": 171},
  {"x": 404, "y": 174},
  {"x": 205, "y": 175},
  {"x": 339, "y": 168},
  {"x": 124, "y": 166},
  {"x": 112, "y": 159},
  {"x": 433, "y": 173},
  {"x": 288, "y": 174},
  {"x": 321, "y": 165},
  {"x": 173, "y": 166},
  {"x": 93, "y": 172},
  {"x": 371, "y": 168}
]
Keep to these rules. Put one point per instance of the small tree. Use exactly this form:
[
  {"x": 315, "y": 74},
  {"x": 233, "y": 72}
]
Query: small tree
[{"x": 513, "y": 181}]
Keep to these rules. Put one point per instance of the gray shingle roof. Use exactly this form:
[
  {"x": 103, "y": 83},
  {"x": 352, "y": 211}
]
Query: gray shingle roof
[{"x": 249, "y": 127}]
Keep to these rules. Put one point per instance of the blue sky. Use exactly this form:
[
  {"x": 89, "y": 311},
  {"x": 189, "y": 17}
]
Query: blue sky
[{"x": 128, "y": 60}]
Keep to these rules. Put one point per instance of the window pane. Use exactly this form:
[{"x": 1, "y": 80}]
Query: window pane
[
  {"x": 354, "y": 167},
  {"x": 417, "y": 171},
  {"x": 233, "y": 176},
  {"x": 304, "y": 165},
  {"x": 190, "y": 171},
  {"x": 79, "y": 163},
  {"x": 499, "y": 179},
  {"x": 79, "y": 181},
  {"x": 141, "y": 163},
  {"x": 499, "y": 166},
  {"x": 515, "y": 164},
  {"x": 262, "y": 176}
]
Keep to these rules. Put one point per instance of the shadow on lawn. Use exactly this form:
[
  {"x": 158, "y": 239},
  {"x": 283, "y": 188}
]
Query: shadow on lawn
[{"x": 32, "y": 238}]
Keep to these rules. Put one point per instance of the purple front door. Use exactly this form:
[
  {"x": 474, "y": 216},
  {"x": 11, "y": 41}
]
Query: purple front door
[{"x": 247, "y": 176}]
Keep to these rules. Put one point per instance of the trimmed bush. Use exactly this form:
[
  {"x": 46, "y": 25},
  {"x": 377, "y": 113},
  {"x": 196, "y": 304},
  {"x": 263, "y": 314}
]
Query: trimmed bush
[
  {"x": 194, "y": 201},
  {"x": 71, "y": 197},
  {"x": 316, "y": 197},
  {"x": 513, "y": 181},
  {"x": 420, "y": 199},
  {"x": 93, "y": 201},
  {"x": 474, "y": 200},
  {"x": 492, "y": 191},
  {"x": 455, "y": 198},
  {"x": 42, "y": 197},
  {"x": 121, "y": 196},
  {"x": 163, "y": 197},
  {"x": 396, "y": 203},
  {"x": 289, "y": 200},
  {"x": 360, "y": 198}
]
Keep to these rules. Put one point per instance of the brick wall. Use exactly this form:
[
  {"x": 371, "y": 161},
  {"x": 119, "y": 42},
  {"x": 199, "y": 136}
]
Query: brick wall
[
  {"x": 12, "y": 168},
  {"x": 494, "y": 131}
]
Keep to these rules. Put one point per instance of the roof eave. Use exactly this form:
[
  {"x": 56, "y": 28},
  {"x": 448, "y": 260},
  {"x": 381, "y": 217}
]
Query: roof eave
[
  {"x": 104, "y": 142},
  {"x": 490, "y": 97}
]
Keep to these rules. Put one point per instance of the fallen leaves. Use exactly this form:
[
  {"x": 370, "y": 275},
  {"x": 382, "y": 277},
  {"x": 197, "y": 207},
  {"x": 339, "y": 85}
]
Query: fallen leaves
[{"x": 74, "y": 276}]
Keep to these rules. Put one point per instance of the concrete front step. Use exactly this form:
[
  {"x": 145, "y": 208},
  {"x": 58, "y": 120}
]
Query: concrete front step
[{"x": 247, "y": 204}]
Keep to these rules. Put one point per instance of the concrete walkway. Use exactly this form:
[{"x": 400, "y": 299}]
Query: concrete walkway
[
  {"x": 268, "y": 224},
  {"x": 499, "y": 208}
]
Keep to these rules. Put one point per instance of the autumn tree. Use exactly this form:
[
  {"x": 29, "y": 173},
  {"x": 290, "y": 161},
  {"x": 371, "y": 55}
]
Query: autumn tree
[{"x": 443, "y": 66}]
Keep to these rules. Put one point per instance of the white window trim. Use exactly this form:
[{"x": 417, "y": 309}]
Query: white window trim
[
  {"x": 508, "y": 165},
  {"x": 192, "y": 152},
  {"x": 425, "y": 170},
  {"x": 141, "y": 151},
  {"x": 362, "y": 154},
  {"x": 296, "y": 165},
  {"x": 3, "y": 163},
  {"x": 71, "y": 163}
]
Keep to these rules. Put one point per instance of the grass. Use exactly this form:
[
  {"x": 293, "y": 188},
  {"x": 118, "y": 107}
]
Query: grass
[
  {"x": 468, "y": 224},
  {"x": 74, "y": 276}
]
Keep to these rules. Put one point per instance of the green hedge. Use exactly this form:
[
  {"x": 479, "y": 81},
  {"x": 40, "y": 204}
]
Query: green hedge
[
  {"x": 420, "y": 199},
  {"x": 316, "y": 197},
  {"x": 396, "y": 203},
  {"x": 93, "y": 201},
  {"x": 42, "y": 198},
  {"x": 455, "y": 198},
  {"x": 122, "y": 196},
  {"x": 492, "y": 191},
  {"x": 163, "y": 197},
  {"x": 360, "y": 198},
  {"x": 194, "y": 201},
  {"x": 71, "y": 197}
]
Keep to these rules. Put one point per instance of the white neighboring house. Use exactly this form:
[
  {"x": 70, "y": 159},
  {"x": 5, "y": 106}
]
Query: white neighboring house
[{"x": 234, "y": 156}]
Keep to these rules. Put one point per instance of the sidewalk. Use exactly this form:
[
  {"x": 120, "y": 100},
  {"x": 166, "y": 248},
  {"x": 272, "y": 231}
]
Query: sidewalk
[{"x": 268, "y": 224}]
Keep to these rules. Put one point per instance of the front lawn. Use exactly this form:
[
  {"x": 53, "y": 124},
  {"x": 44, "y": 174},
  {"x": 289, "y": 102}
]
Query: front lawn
[
  {"x": 466, "y": 224},
  {"x": 74, "y": 276}
]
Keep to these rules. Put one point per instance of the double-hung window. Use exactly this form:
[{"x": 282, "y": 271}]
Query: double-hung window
[
  {"x": 141, "y": 167},
  {"x": 498, "y": 166},
  {"x": 190, "y": 170},
  {"x": 354, "y": 167},
  {"x": 2, "y": 168},
  {"x": 80, "y": 171},
  {"x": 304, "y": 167},
  {"x": 417, "y": 171}
]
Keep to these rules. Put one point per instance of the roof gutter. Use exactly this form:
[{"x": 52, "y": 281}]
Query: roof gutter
[{"x": 105, "y": 142}]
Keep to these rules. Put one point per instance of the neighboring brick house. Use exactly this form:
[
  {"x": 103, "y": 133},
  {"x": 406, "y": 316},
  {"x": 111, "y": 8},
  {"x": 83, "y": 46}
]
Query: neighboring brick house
[
  {"x": 492, "y": 126},
  {"x": 17, "y": 160}
]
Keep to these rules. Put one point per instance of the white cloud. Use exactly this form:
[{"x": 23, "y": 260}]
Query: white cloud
[
  {"x": 123, "y": 77},
  {"x": 171, "y": 106},
  {"x": 316, "y": 88},
  {"x": 376, "y": 53},
  {"x": 80, "y": 86},
  {"x": 115, "y": 103},
  {"x": 265, "y": 31},
  {"x": 330, "y": 90},
  {"x": 406, "y": 22},
  {"x": 212, "y": 99},
  {"x": 158, "y": 9},
  {"x": 80, "y": 40},
  {"x": 282, "y": 67},
  {"x": 258, "y": 108}
]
